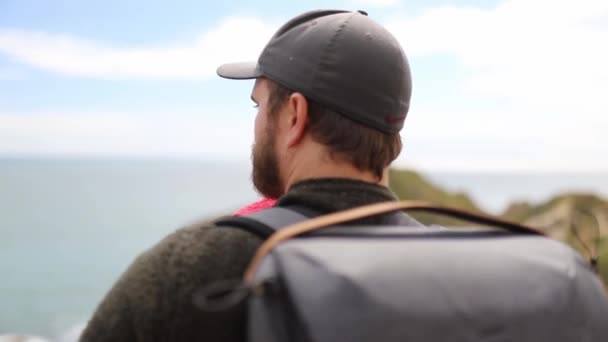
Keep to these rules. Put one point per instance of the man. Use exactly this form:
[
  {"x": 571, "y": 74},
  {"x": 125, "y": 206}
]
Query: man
[{"x": 332, "y": 89}]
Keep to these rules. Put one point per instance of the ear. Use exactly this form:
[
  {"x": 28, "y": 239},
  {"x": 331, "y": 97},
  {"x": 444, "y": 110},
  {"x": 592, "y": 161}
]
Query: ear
[{"x": 298, "y": 118}]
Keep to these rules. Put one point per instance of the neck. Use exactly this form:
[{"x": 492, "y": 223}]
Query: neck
[{"x": 318, "y": 164}]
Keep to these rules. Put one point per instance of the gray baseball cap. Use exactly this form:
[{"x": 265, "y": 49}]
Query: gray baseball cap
[{"x": 340, "y": 59}]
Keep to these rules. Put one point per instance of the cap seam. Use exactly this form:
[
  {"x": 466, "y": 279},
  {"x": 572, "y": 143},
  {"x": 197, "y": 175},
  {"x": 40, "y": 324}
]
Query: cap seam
[
  {"x": 330, "y": 44},
  {"x": 335, "y": 107}
]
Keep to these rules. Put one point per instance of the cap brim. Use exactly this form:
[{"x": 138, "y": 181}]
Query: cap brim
[{"x": 239, "y": 71}]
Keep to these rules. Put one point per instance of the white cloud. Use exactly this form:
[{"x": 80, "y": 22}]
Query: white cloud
[
  {"x": 235, "y": 39},
  {"x": 428, "y": 145},
  {"x": 533, "y": 50},
  {"x": 543, "y": 64},
  {"x": 125, "y": 134},
  {"x": 498, "y": 141}
]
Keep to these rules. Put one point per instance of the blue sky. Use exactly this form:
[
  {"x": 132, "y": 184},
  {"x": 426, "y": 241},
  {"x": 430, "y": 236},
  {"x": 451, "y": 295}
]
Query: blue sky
[{"x": 498, "y": 85}]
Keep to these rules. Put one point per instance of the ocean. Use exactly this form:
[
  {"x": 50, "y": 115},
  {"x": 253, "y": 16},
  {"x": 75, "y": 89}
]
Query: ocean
[{"x": 70, "y": 227}]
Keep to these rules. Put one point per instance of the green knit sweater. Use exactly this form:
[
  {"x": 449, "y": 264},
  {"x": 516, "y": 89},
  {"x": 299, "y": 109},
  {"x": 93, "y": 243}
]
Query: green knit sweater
[{"x": 153, "y": 299}]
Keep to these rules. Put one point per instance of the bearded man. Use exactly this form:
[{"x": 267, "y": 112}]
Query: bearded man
[{"x": 332, "y": 90}]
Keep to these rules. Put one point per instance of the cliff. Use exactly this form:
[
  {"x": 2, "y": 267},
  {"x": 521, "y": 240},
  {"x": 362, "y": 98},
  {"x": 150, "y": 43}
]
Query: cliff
[{"x": 581, "y": 220}]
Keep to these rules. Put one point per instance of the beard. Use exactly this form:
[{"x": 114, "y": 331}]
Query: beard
[{"x": 265, "y": 174}]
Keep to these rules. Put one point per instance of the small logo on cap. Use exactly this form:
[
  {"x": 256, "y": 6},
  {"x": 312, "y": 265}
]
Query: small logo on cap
[{"x": 393, "y": 119}]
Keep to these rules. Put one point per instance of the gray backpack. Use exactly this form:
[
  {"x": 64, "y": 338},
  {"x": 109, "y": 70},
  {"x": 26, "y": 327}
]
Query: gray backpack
[{"x": 404, "y": 282}]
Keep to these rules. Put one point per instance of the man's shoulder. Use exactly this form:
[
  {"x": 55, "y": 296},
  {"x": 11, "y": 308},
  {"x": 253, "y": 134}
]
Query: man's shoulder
[
  {"x": 194, "y": 255},
  {"x": 159, "y": 285},
  {"x": 205, "y": 238}
]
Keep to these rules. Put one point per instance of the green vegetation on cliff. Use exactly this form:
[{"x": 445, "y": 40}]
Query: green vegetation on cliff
[
  {"x": 581, "y": 220},
  {"x": 409, "y": 185}
]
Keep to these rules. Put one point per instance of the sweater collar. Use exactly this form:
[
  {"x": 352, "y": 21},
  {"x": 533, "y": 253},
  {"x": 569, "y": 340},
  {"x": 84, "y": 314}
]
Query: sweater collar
[{"x": 333, "y": 194}]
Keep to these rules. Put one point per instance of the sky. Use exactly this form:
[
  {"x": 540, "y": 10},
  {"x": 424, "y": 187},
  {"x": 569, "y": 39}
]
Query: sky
[{"x": 512, "y": 85}]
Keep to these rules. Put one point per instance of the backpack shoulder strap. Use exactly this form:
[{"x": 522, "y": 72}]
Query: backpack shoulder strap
[{"x": 265, "y": 222}]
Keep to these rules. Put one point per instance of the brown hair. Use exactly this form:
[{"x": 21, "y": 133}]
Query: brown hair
[{"x": 365, "y": 148}]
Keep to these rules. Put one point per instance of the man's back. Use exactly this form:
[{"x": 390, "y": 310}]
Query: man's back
[{"x": 153, "y": 300}]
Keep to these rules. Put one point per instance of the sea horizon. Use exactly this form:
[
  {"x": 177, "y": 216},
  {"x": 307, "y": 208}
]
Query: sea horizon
[{"x": 71, "y": 226}]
